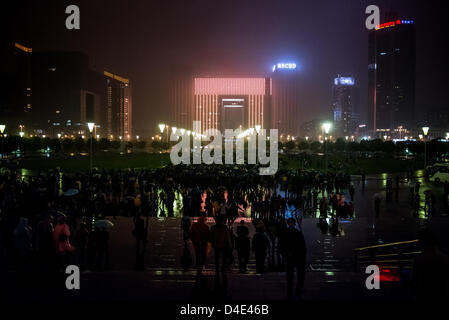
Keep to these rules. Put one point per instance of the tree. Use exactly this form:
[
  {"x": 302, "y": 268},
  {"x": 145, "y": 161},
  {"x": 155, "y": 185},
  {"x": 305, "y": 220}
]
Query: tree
[
  {"x": 340, "y": 144},
  {"x": 141, "y": 144},
  {"x": 290, "y": 145},
  {"x": 315, "y": 146},
  {"x": 115, "y": 144},
  {"x": 303, "y": 145},
  {"x": 104, "y": 144},
  {"x": 80, "y": 145},
  {"x": 67, "y": 145},
  {"x": 55, "y": 145}
]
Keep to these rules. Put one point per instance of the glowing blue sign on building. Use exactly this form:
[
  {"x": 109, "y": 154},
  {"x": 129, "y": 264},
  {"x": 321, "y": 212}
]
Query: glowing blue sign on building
[
  {"x": 344, "y": 81},
  {"x": 288, "y": 65}
]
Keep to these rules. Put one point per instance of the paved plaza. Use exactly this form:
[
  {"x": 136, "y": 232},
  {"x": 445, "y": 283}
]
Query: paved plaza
[{"x": 330, "y": 260}]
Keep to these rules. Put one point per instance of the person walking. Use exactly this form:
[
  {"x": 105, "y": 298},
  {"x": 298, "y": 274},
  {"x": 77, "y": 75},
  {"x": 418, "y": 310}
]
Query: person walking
[
  {"x": 23, "y": 252},
  {"x": 260, "y": 245},
  {"x": 200, "y": 236},
  {"x": 242, "y": 245},
  {"x": 294, "y": 250},
  {"x": 140, "y": 232},
  {"x": 102, "y": 240},
  {"x": 80, "y": 241},
  {"x": 352, "y": 192},
  {"x": 220, "y": 239},
  {"x": 377, "y": 206},
  {"x": 430, "y": 273},
  {"x": 61, "y": 240}
]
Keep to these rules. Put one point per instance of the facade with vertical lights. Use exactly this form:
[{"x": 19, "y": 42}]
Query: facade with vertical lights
[
  {"x": 230, "y": 103},
  {"x": 236, "y": 102}
]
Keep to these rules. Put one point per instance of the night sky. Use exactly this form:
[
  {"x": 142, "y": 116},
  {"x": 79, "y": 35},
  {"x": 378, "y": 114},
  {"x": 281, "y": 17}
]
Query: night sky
[{"x": 140, "y": 39}]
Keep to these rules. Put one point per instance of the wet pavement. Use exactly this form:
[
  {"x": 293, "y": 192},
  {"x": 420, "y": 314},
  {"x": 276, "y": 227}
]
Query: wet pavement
[{"x": 330, "y": 259}]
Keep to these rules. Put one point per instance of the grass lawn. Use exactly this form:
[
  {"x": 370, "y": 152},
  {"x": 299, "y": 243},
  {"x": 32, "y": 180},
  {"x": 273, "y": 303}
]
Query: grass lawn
[
  {"x": 154, "y": 160},
  {"x": 100, "y": 160}
]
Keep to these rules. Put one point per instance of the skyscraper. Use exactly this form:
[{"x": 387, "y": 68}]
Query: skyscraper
[
  {"x": 345, "y": 101},
  {"x": 119, "y": 106},
  {"x": 285, "y": 99},
  {"x": 391, "y": 76}
]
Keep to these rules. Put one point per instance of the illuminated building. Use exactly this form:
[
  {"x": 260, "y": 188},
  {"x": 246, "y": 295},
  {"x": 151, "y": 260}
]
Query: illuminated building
[
  {"x": 234, "y": 102},
  {"x": 285, "y": 98},
  {"x": 228, "y": 103},
  {"x": 181, "y": 96},
  {"x": 118, "y": 106},
  {"x": 345, "y": 103},
  {"x": 391, "y": 75}
]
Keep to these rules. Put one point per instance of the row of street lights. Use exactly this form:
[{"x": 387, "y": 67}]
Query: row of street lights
[{"x": 163, "y": 126}]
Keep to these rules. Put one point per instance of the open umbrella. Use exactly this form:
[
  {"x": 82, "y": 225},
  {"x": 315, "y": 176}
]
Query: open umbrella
[
  {"x": 377, "y": 196},
  {"x": 71, "y": 192},
  {"x": 104, "y": 224}
]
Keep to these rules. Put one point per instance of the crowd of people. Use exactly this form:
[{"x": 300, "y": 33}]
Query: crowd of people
[{"x": 47, "y": 220}]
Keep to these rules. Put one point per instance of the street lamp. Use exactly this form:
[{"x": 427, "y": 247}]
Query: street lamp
[
  {"x": 162, "y": 127},
  {"x": 425, "y": 130},
  {"x": 91, "y": 126},
  {"x": 21, "y": 133},
  {"x": 2, "y": 129},
  {"x": 258, "y": 127},
  {"x": 326, "y": 128}
]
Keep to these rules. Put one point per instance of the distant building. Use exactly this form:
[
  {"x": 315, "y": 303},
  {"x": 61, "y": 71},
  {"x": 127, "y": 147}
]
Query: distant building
[
  {"x": 345, "y": 106},
  {"x": 391, "y": 76},
  {"x": 236, "y": 101},
  {"x": 118, "y": 107},
  {"x": 231, "y": 103},
  {"x": 285, "y": 104},
  {"x": 16, "y": 102},
  {"x": 181, "y": 96},
  {"x": 312, "y": 129},
  {"x": 438, "y": 118},
  {"x": 66, "y": 94}
]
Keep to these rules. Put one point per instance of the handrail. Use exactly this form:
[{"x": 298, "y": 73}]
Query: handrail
[{"x": 385, "y": 245}]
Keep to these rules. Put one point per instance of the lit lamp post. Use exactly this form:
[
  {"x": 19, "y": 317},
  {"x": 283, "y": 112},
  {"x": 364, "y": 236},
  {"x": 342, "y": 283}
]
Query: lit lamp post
[
  {"x": 2, "y": 129},
  {"x": 258, "y": 127},
  {"x": 91, "y": 125},
  {"x": 425, "y": 130},
  {"x": 326, "y": 128},
  {"x": 162, "y": 127}
]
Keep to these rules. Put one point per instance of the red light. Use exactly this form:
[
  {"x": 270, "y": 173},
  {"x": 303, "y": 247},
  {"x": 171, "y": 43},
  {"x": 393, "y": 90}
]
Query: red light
[{"x": 398, "y": 22}]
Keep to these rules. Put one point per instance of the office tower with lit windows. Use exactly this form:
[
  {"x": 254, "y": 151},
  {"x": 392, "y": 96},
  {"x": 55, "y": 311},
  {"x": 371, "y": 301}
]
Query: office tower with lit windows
[
  {"x": 345, "y": 106},
  {"x": 118, "y": 106},
  {"x": 391, "y": 76},
  {"x": 285, "y": 104}
]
